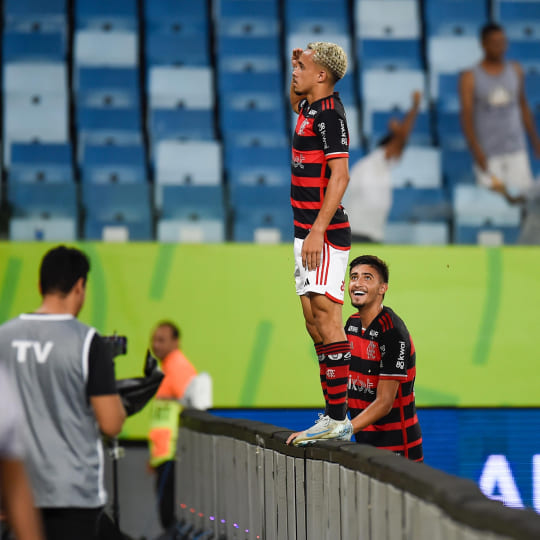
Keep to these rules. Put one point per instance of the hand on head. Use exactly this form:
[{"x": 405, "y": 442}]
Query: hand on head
[{"x": 295, "y": 56}]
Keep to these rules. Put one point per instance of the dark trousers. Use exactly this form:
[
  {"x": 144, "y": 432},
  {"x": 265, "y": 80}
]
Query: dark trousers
[
  {"x": 71, "y": 523},
  {"x": 165, "y": 490}
]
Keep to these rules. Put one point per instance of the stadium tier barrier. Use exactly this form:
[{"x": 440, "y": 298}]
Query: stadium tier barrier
[{"x": 240, "y": 480}]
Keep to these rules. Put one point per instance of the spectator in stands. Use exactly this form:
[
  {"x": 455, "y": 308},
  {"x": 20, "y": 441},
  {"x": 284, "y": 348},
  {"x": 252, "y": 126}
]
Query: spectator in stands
[
  {"x": 495, "y": 115},
  {"x": 529, "y": 199},
  {"x": 369, "y": 195},
  {"x": 180, "y": 386},
  {"x": 64, "y": 374},
  {"x": 15, "y": 491}
]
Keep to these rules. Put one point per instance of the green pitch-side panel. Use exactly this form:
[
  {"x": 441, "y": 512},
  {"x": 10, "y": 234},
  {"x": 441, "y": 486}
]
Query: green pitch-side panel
[{"x": 472, "y": 312}]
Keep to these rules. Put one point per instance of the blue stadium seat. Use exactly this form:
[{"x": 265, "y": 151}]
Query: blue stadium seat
[
  {"x": 183, "y": 124},
  {"x": 450, "y": 54},
  {"x": 124, "y": 207},
  {"x": 253, "y": 54},
  {"x": 449, "y": 130},
  {"x": 532, "y": 88},
  {"x": 109, "y": 125},
  {"x": 49, "y": 163},
  {"x": 33, "y": 46},
  {"x": 526, "y": 53},
  {"x": 35, "y": 15},
  {"x": 390, "y": 91},
  {"x": 104, "y": 164},
  {"x": 63, "y": 229},
  {"x": 190, "y": 162},
  {"x": 192, "y": 214},
  {"x": 107, "y": 87},
  {"x": 189, "y": 87},
  {"x": 437, "y": 233},
  {"x": 480, "y": 211},
  {"x": 521, "y": 20},
  {"x": 245, "y": 81},
  {"x": 176, "y": 17},
  {"x": 419, "y": 204},
  {"x": 242, "y": 18},
  {"x": 253, "y": 121},
  {"x": 399, "y": 19},
  {"x": 419, "y": 167},
  {"x": 262, "y": 214},
  {"x": 192, "y": 203},
  {"x": 390, "y": 54},
  {"x": 242, "y": 100},
  {"x": 420, "y": 135},
  {"x": 457, "y": 167},
  {"x": 35, "y": 77},
  {"x": 43, "y": 200},
  {"x": 177, "y": 49},
  {"x": 258, "y": 165},
  {"x": 317, "y": 16},
  {"x": 107, "y": 15},
  {"x": 34, "y": 118},
  {"x": 448, "y": 98},
  {"x": 492, "y": 235},
  {"x": 105, "y": 49},
  {"x": 455, "y": 17}
]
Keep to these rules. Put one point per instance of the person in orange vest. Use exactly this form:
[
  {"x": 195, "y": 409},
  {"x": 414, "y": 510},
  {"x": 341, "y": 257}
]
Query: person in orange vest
[{"x": 171, "y": 395}]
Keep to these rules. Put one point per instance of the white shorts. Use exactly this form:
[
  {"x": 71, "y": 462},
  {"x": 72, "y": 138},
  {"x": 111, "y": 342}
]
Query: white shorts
[
  {"x": 328, "y": 278},
  {"x": 514, "y": 170}
]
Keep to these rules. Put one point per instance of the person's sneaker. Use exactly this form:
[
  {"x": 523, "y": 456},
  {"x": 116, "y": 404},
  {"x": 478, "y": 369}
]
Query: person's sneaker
[{"x": 325, "y": 428}]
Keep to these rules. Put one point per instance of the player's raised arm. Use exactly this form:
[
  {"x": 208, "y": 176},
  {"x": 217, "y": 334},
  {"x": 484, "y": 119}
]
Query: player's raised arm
[{"x": 296, "y": 64}]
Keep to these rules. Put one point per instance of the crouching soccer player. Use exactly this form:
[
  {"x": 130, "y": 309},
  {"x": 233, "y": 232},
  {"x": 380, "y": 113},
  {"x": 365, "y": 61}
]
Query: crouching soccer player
[{"x": 383, "y": 366}]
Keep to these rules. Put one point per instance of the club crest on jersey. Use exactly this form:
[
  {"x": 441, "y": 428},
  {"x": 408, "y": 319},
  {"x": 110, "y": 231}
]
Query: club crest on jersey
[
  {"x": 372, "y": 351},
  {"x": 298, "y": 161},
  {"x": 303, "y": 126}
]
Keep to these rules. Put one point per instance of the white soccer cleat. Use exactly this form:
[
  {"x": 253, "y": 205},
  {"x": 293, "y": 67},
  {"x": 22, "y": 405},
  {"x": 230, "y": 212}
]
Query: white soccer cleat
[{"x": 325, "y": 428}]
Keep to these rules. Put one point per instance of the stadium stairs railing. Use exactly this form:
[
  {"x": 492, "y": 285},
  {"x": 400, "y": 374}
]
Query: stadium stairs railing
[{"x": 240, "y": 480}]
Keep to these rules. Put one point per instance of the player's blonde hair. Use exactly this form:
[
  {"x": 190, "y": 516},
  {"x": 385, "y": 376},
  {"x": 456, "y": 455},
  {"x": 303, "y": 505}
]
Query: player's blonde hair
[{"x": 329, "y": 56}]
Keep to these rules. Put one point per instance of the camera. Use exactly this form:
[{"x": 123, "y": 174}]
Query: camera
[{"x": 116, "y": 343}]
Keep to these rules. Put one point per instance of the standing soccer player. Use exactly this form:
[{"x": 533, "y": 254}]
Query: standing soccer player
[{"x": 320, "y": 174}]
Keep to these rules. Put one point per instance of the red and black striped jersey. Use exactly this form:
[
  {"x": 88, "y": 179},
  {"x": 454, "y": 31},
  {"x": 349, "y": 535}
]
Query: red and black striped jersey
[
  {"x": 382, "y": 351},
  {"x": 321, "y": 134}
]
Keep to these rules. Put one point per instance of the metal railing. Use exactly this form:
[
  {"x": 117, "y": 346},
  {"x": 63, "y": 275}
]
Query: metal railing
[{"x": 238, "y": 479}]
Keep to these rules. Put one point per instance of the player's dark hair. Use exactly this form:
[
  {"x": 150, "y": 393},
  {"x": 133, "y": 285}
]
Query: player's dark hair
[
  {"x": 373, "y": 261},
  {"x": 61, "y": 267},
  {"x": 488, "y": 29},
  {"x": 175, "y": 330}
]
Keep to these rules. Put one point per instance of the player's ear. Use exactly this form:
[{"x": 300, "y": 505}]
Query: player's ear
[{"x": 383, "y": 288}]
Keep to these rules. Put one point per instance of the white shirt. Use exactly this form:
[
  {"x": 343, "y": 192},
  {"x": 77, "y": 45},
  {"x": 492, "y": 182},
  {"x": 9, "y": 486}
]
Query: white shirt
[{"x": 368, "y": 197}]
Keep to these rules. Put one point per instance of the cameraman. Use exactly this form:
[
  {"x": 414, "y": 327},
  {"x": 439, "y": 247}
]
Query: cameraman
[{"x": 64, "y": 374}]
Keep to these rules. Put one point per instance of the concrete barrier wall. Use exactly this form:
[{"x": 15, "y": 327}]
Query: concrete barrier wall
[{"x": 238, "y": 479}]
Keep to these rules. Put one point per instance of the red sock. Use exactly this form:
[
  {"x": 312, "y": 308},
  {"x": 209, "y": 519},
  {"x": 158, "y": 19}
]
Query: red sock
[
  {"x": 322, "y": 373},
  {"x": 338, "y": 357}
]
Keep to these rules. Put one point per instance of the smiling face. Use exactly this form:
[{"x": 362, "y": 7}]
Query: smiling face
[{"x": 366, "y": 286}]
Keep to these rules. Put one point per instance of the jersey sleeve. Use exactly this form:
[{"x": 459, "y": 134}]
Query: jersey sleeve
[
  {"x": 101, "y": 380},
  {"x": 395, "y": 351},
  {"x": 331, "y": 128}
]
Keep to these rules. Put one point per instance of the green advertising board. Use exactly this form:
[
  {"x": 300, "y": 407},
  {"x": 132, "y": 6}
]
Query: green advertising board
[{"x": 472, "y": 313}]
